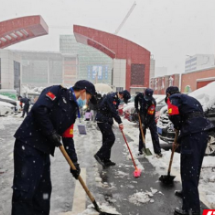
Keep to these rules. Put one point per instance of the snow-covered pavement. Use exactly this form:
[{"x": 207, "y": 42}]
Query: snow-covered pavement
[{"x": 113, "y": 187}]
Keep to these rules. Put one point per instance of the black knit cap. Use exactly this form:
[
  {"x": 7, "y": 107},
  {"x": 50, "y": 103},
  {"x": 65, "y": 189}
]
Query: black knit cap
[
  {"x": 126, "y": 95},
  {"x": 148, "y": 93},
  {"x": 172, "y": 90},
  {"x": 90, "y": 88}
]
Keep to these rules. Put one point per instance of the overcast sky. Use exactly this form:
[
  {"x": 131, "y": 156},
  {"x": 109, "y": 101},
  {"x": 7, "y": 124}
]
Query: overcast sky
[{"x": 169, "y": 29}]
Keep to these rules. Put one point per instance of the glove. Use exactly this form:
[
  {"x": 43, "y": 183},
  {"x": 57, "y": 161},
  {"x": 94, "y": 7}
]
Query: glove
[
  {"x": 55, "y": 138},
  {"x": 76, "y": 172}
]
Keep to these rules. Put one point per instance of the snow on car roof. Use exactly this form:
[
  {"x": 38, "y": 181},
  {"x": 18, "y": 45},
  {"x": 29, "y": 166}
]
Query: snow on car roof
[
  {"x": 5, "y": 104},
  {"x": 205, "y": 96},
  {"x": 6, "y": 97}
]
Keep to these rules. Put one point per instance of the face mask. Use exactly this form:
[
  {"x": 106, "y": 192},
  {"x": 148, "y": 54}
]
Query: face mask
[
  {"x": 146, "y": 98},
  {"x": 84, "y": 101}
]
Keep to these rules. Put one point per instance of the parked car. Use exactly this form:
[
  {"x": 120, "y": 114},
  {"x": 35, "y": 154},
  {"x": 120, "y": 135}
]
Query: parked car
[
  {"x": 165, "y": 128},
  {"x": 7, "y": 99},
  {"x": 130, "y": 113},
  {"x": 6, "y": 108}
]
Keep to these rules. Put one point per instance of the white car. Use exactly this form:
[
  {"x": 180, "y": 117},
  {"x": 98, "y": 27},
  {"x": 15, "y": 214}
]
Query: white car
[{"x": 6, "y": 108}]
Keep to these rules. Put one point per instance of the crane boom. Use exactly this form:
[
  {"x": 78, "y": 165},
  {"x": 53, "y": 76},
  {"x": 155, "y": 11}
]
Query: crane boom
[{"x": 126, "y": 17}]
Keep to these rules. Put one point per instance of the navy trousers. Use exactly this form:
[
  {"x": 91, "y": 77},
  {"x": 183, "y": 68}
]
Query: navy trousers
[
  {"x": 31, "y": 184},
  {"x": 192, "y": 154},
  {"x": 154, "y": 135},
  {"x": 25, "y": 110},
  {"x": 108, "y": 139}
]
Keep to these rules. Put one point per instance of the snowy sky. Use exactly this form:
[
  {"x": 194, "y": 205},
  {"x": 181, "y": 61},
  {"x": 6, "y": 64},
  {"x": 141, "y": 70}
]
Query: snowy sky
[{"x": 169, "y": 29}]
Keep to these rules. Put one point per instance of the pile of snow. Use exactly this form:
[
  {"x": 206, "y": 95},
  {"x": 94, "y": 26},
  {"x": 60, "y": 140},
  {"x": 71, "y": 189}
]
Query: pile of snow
[
  {"x": 138, "y": 198},
  {"x": 205, "y": 96},
  {"x": 143, "y": 197}
]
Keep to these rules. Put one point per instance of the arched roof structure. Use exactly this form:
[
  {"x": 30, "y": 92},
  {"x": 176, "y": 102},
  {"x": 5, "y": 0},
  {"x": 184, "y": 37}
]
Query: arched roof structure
[
  {"x": 137, "y": 58},
  {"x": 20, "y": 29}
]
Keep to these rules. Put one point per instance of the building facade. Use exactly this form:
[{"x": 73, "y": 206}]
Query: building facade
[
  {"x": 130, "y": 59},
  {"x": 10, "y": 70},
  {"x": 91, "y": 64},
  {"x": 198, "y": 62},
  {"x": 41, "y": 68},
  {"x": 197, "y": 79}
]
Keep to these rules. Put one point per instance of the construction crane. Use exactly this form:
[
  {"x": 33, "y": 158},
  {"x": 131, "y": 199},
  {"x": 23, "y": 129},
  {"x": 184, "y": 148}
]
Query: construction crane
[{"x": 126, "y": 17}]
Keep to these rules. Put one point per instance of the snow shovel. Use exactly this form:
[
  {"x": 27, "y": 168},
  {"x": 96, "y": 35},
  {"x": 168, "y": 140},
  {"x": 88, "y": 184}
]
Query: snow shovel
[
  {"x": 62, "y": 149},
  {"x": 146, "y": 150},
  {"x": 168, "y": 179},
  {"x": 137, "y": 172}
]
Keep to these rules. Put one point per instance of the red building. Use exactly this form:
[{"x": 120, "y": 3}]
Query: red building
[
  {"x": 135, "y": 72},
  {"x": 195, "y": 80},
  {"x": 160, "y": 84}
]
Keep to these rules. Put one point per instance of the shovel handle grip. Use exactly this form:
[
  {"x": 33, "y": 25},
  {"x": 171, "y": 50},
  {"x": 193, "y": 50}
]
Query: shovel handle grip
[
  {"x": 62, "y": 149},
  {"x": 173, "y": 151}
]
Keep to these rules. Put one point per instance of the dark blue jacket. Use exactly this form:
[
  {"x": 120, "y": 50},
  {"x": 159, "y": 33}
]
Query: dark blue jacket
[
  {"x": 26, "y": 101},
  {"x": 107, "y": 109},
  {"x": 55, "y": 110},
  {"x": 190, "y": 117},
  {"x": 147, "y": 108}
]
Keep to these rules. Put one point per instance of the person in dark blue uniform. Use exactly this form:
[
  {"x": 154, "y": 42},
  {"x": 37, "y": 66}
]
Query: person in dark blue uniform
[
  {"x": 26, "y": 102},
  {"x": 51, "y": 118},
  {"x": 107, "y": 110},
  {"x": 147, "y": 105},
  {"x": 187, "y": 115}
]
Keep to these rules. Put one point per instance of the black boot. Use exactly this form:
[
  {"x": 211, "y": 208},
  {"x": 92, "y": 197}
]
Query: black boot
[
  {"x": 179, "y": 193},
  {"x": 196, "y": 213},
  {"x": 109, "y": 163},
  {"x": 180, "y": 211},
  {"x": 100, "y": 161}
]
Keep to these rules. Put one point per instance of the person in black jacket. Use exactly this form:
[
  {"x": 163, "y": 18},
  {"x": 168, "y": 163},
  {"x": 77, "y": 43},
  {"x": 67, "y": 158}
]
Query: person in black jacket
[
  {"x": 187, "y": 116},
  {"x": 26, "y": 102},
  {"x": 107, "y": 110},
  {"x": 51, "y": 118},
  {"x": 145, "y": 105}
]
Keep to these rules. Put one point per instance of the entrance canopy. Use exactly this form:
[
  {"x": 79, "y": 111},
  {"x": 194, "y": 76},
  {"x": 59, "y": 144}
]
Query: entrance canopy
[
  {"x": 20, "y": 29},
  {"x": 137, "y": 58}
]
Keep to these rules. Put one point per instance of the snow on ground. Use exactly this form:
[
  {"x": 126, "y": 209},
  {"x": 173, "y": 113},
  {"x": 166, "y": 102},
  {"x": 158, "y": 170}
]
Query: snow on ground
[
  {"x": 143, "y": 197},
  {"x": 11, "y": 119},
  {"x": 103, "y": 207},
  {"x": 207, "y": 178}
]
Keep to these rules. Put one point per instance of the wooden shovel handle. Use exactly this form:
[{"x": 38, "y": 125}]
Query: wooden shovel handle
[
  {"x": 173, "y": 151},
  {"x": 62, "y": 149},
  {"x": 141, "y": 129},
  {"x": 135, "y": 166}
]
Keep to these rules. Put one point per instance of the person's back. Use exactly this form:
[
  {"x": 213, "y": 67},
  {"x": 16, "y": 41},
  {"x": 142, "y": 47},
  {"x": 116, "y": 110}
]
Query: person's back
[
  {"x": 192, "y": 118},
  {"x": 187, "y": 116}
]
